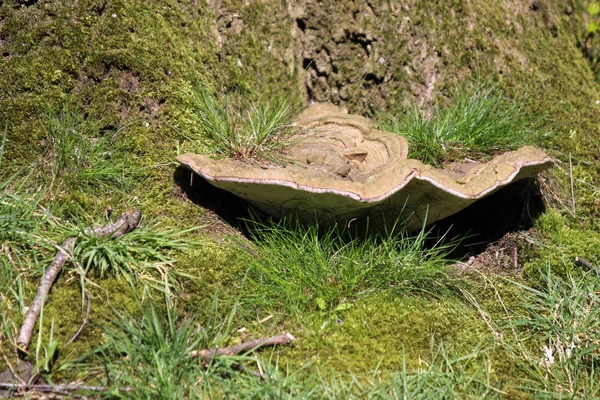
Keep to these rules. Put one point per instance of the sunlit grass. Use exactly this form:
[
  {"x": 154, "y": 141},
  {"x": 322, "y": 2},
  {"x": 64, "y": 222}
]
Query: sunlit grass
[
  {"x": 157, "y": 345},
  {"x": 145, "y": 254},
  {"x": 243, "y": 129},
  {"x": 301, "y": 269},
  {"x": 78, "y": 154},
  {"x": 559, "y": 336},
  {"x": 296, "y": 271},
  {"x": 477, "y": 122},
  {"x": 149, "y": 356}
]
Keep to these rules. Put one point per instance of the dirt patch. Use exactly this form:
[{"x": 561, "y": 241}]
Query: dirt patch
[{"x": 499, "y": 258}]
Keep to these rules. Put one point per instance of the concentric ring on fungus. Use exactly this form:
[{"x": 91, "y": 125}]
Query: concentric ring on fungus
[{"x": 341, "y": 169}]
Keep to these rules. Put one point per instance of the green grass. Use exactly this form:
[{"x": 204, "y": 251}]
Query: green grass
[
  {"x": 157, "y": 345},
  {"x": 442, "y": 375},
  {"x": 19, "y": 214},
  {"x": 559, "y": 336},
  {"x": 79, "y": 154},
  {"x": 242, "y": 129},
  {"x": 477, "y": 122},
  {"x": 122, "y": 62},
  {"x": 145, "y": 254},
  {"x": 309, "y": 278},
  {"x": 299, "y": 273},
  {"x": 302, "y": 269},
  {"x": 158, "y": 365},
  {"x": 30, "y": 236},
  {"x": 550, "y": 332}
]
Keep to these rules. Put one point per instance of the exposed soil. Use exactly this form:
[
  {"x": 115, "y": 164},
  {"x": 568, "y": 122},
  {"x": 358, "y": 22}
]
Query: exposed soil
[
  {"x": 498, "y": 258},
  {"x": 489, "y": 228}
]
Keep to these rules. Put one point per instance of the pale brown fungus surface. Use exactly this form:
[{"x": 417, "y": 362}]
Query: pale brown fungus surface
[{"x": 339, "y": 168}]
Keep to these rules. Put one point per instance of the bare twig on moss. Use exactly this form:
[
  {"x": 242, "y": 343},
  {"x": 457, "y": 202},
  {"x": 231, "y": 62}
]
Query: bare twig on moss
[
  {"x": 126, "y": 222},
  {"x": 85, "y": 320},
  {"x": 587, "y": 264},
  {"x": 42, "y": 293},
  {"x": 14, "y": 373},
  {"x": 208, "y": 354},
  {"x": 58, "y": 388}
]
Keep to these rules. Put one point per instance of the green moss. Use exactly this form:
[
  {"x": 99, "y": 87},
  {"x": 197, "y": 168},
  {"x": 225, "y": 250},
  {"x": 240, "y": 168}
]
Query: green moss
[
  {"x": 560, "y": 244},
  {"x": 385, "y": 331},
  {"x": 218, "y": 269},
  {"x": 125, "y": 65},
  {"x": 67, "y": 307}
]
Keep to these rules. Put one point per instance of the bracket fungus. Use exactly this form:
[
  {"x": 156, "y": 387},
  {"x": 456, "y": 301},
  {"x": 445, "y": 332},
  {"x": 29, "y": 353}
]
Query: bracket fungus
[{"x": 339, "y": 168}]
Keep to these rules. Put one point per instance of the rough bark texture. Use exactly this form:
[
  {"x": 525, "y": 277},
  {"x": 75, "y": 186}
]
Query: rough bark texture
[{"x": 127, "y": 61}]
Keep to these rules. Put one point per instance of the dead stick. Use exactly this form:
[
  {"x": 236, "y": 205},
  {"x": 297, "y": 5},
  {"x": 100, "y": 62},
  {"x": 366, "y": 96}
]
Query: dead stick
[
  {"x": 13, "y": 372},
  {"x": 208, "y": 354},
  {"x": 124, "y": 224},
  {"x": 50, "y": 388},
  {"x": 42, "y": 293},
  {"x": 109, "y": 229},
  {"x": 85, "y": 320},
  {"x": 587, "y": 264}
]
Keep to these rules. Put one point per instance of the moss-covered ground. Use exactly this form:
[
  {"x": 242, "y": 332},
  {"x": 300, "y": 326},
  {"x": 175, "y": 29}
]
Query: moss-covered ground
[{"x": 95, "y": 105}]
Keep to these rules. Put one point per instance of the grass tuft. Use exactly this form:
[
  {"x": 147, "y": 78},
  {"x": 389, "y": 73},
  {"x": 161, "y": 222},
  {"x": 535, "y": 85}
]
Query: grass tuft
[
  {"x": 158, "y": 344},
  {"x": 79, "y": 155},
  {"x": 145, "y": 254},
  {"x": 150, "y": 354},
  {"x": 559, "y": 326},
  {"x": 243, "y": 129},
  {"x": 476, "y": 123},
  {"x": 301, "y": 269}
]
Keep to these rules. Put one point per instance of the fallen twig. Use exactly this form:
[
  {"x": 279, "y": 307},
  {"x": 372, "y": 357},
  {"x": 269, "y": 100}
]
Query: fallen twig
[
  {"x": 42, "y": 293},
  {"x": 126, "y": 222},
  {"x": 587, "y": 264},
  {"x": 208, "y": 354},
  {"x": 85, "y": 320},
  {"x": 12, "y": 371},
  {"x": 58, "y": 388}
]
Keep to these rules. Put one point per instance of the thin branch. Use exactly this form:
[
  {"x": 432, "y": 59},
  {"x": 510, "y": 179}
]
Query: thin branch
[
  {"x": 85, "y": 320},
  {"x": 13, "y": 372},
  {"x": 126, "y": 222},
  {"x": 109, "y": 229},
  {"x": 208, "y": 354},
  {"x": 587, "y": 264},
  {"x": 42, "y": 293},
  {"x": 59, "y": 388}
]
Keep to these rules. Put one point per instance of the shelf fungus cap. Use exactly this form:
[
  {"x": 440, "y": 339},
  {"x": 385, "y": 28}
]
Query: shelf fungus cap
[{"x": 339, "y": 168}]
